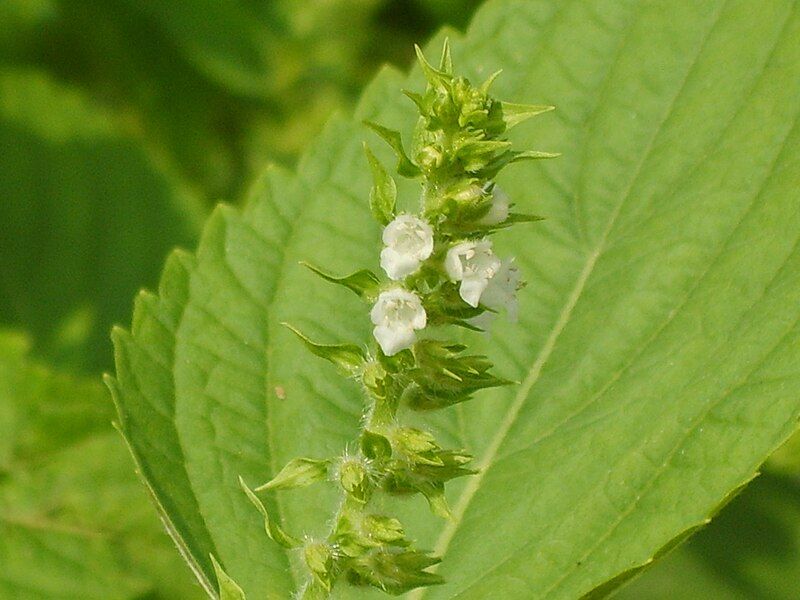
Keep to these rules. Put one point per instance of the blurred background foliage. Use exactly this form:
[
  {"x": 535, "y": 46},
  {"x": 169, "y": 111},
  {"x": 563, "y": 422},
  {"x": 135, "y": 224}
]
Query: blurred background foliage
[
  {"x": 216, "y": 88},
  {"x": 121, "y": 123}
]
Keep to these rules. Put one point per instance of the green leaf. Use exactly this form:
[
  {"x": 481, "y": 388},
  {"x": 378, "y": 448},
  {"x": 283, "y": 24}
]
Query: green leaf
[
  {"x": 786, "y": 459},
  {"x": 751, "y": 550},
  {"x": 657, "y": 344},
  {"x": 74, "y": 521},
  {"x": 86, "y": 219}
]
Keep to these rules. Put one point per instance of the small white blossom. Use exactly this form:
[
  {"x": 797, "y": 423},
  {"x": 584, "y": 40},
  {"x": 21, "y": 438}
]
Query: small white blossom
[
  {"x": 409, "y": 241},
  {"x": 396, "y": 315},
  {"x": 501, "y": 293},
  {"x": 474, "y": 265},
  {"x": 498, "y": 212}
]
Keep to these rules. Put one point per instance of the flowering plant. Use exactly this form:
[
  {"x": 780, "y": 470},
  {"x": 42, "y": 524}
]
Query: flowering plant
[{"x": 442, "y": 271}]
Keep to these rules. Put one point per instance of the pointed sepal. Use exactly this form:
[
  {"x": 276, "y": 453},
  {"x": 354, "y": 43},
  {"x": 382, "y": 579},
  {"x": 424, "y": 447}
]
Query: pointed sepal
[
  {"x": 383, "y": 194},
  {"x": 438, "y": 504},
  {"x": 418, "y": 100},
  {"x": 274, "y": 531},
  {"x": 445, "y": 377},
  {"x": 348, "y": 357},
  {"x": 420, "y": 465},
  {"x": 319, "y": 557},
  {"x": 375, "y": 446},
  {"x": 228, "y": 588},
  {"x": 394, "y": 571},
  {"x": 486, "y": 85},
  {"x": 299, "y": 472},
  {"x": 405, "y": 167},
  {"x": 364, "y": 283},
  {"x": 437, "y": 79},
  {"x": 353, "y": 475},
  {"x": 514, "y": 114},
  {"x": 512, "y": 219},
  {"x": 501, "y": 161},
  {"x": 446, "y": 62}
]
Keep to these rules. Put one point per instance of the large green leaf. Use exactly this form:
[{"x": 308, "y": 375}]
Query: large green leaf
[
  {"x": 658, "y": 343},
  {"x": 86, "y": 218},
  {"x": 74, "y": 521},
  {"x": 750, "y": 552}
]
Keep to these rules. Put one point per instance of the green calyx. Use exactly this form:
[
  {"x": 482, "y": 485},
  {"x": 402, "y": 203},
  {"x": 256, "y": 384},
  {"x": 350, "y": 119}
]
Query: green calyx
[{"x": 442, "y": 273}]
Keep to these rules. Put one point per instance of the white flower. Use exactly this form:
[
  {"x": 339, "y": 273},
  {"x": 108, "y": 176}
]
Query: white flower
[
  {"x": 409, "y": 241},
  {"x": 501, "y": 293},
  {"x": 473, "y": 264},
  {"x": 498, "y": 212},
  {"x": 396, "y": 315}
]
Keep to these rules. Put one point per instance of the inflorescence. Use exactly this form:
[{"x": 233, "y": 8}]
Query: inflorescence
[{"x": 442, "y": 271}]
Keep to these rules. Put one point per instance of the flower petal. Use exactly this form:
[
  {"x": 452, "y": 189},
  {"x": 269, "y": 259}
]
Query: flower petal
[
  {"x": 397, "y": 265},
  {"x": 471, "y": 290},
  {"x": 392, "y": 339},
  {"x": 498, "y": 212},
  {"x": 420, "y": 319}
]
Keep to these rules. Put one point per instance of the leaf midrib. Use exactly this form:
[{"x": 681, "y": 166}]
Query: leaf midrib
[
  {"x": 487, "y": 460},
  {"x": 659, "y": 471}
]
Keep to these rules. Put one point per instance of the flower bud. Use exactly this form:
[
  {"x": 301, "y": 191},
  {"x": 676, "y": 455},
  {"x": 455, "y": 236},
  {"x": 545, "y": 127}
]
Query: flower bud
[
  {"x": 414, "y": 443},
  {"x": 469, "y": 192},
  {"x": 354, "y": 478},
  {"x": 373, "y": 377},
  {"x": 384, "y": 529},
  {"x": 395, "y": 571},
  {"x": 319, "y": 558},
  {"x": 375, "y": 446},
  {"x": 429, "y": 158}
]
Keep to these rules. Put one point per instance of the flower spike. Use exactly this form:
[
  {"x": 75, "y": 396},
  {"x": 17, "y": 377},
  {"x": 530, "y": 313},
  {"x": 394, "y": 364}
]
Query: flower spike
[{"x": 440, "y": 270}]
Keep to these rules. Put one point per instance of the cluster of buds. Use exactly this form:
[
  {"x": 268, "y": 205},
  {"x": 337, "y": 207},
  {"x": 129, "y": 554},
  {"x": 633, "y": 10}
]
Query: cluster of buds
[{"x": 442, "y": 271}]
